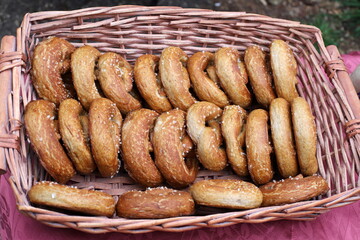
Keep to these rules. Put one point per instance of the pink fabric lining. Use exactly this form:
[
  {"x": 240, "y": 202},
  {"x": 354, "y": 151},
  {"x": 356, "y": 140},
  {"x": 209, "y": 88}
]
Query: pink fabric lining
[{"x": 351, "y": 60}]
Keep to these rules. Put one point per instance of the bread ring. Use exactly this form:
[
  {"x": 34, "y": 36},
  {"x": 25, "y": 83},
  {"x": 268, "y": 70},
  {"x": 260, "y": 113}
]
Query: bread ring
[
  {"x": 293, "y": 190},
  {"x": 260, "y": 78},
  {"x": 175, "y": 78},
  {"x": 83, "y": 62},
  {"x": 149, "y": 84},
  {"x": 284, "y": 68},
  {"x": 169, "y": 150},
  {"x": 136, "y": 147},
  {"x": 40, "y": 126},
  {"x": 51, "y": 59},
  {"x": 115, "y": 75},
  {"x": 104, "y": 126},
  {"x": 233, "y": 131},
  {"x": 231, "y": 76},
  {"x": 258, "y": 148},
  {"x": 282, "y": 138},
  {"x": 205, "y": 88},
  {"x": 155, "y": 203},
  {"x": 73, "y": 137},
  {"x": 79, "y": 200},
  {"x": 226, "y": 193},
  {"x": 207, "y": 139},
  {"x": 305, "y": 136}
]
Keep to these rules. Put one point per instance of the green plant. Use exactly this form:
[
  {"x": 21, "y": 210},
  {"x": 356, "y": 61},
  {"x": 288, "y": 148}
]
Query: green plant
[
  {"x": 351, "y": 16},
  {"x": 330, "y": 27}
]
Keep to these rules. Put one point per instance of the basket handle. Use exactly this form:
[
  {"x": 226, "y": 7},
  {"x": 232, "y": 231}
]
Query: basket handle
[
  {"x": 8, "y": 56},
  {"x": 336, "y": 66}
]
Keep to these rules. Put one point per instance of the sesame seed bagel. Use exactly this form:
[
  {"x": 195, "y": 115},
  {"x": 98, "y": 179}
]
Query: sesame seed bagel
[
  {"x": 226, "y": 193},
  {"x": 155, "y": 203}
]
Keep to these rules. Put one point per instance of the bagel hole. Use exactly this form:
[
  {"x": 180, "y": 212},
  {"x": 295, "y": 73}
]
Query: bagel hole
[
  {"x": 192, "y": 92},
  {"x": 97, "y": 83},
  {"x": 98, "y": 87},
  {"x": 152, "y": 155},
  {"x": 68, "y": 83},
  {"x": 135, "y": 93}
]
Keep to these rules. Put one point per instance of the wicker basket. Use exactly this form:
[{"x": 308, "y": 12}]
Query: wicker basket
[{"x": 136, "y": 30}]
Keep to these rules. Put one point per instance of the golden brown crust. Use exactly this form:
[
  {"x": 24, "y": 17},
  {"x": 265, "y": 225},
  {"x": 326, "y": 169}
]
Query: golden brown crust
[
  {"x": 136, "y": 147},
  {"x": 305, "y": 136},
  {"x": 73, "y": 137},
  {"x": 233, "y": 130},
  {"x": 208, "y": 139},
  {"x": 211, "y": 72},
  {"x": 155, "y": 203},
  {"x": 258, "y": 148},
  {"x": 169, "y": 150},
  {"x": 293, "y": 190},
  {"x": 282, "y": 138},
  {"x": 50, "y": 60},
  {"x": 83, "y": 62},
  {"x": 115, "y": 75},
  {"x": 260, "y": 78},
  {"x": 226, "y": 193},
  {"x": 175, "y": 77},
  {"x": 79, "y": 200},
  {"x": 104, "y": 126},
  {"x": 284, "y": 68},
  {"x": 148, "y": 82},
  {"x": 40, "y": 126},
  {"x": 231, "y": 76},
  {"x": 205, "y": 88}
]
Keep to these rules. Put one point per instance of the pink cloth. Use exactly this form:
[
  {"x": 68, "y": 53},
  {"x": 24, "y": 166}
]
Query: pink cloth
[
  {"x": 339, "y": 223},
  {"x": 351, "y": 60}
]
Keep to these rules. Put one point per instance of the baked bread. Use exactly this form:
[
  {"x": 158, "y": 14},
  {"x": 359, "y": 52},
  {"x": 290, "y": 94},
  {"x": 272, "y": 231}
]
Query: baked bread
[
  {"x": 305, "y": 136},
  {"x": 226, "y": 193},
  {"x": 104, "y": 126},
  {"x": 207, "y": 138},
  {"x": 115, "y": 75},
  {"x": 51, "y": 59},
  {"x": 170, "y": 150},
  {"x": 233, "y": 130},
  {"x": 148, "y": 82},
  {"x": 282, "y": 138},
  {"x": 260, "y": 78},
  {"x": 293, "y": 190},
  {"x": 205, "y": 88},
  {"x": 258, "y": 148},
  {"x": 90, "y": 202},
  {"x": 44, "y": 137},
  {"x": 284, "y": 69},
  {"x": 71, "y": 122},
  {"x": 137, "y": 148},
  {"x": 175, "y": 78},
  {"x": 232, "y": 76},
  {"x": 83, "y": 62},
  {"x": 155, "y": 203}
]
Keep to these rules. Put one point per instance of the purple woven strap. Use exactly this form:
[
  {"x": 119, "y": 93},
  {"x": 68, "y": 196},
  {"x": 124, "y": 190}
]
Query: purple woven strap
[
  {"x": 15, "y": 58},
  {"x": 335, "y": 65},
  {"x": 352, "y": 127},
  {"x": 9, "y": 141}
]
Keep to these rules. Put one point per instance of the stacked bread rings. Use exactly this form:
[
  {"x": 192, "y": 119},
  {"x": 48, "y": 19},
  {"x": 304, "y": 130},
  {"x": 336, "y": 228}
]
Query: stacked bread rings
[{"x": 196, "y": 112}]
